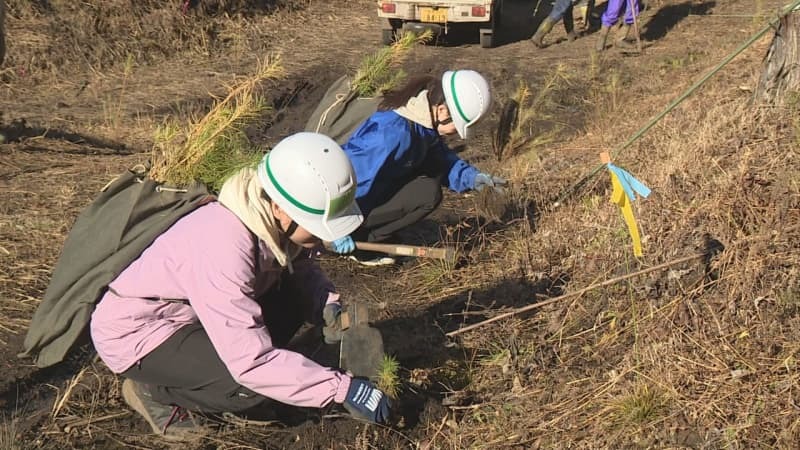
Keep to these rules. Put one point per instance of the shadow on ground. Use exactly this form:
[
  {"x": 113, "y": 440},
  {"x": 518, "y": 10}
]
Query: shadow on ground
[
  {"x": 19, "y": 130},
  {"x": 669, "y": 16},
  {"x": 419, "y": 342}
]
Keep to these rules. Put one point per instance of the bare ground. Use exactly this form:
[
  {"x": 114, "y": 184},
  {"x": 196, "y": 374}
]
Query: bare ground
[{"x": 698, "y": 356}]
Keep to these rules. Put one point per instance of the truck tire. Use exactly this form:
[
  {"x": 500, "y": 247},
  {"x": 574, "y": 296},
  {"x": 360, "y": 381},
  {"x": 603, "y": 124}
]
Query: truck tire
[
  {"x": 489, "y": 35},
  {"x": 487, "y": 38},
  {"x": 387, "y": 36}
]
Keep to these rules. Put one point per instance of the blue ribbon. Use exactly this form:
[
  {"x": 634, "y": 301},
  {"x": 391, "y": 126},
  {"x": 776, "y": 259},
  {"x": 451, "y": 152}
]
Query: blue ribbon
[{"x": 629, "y": 183}]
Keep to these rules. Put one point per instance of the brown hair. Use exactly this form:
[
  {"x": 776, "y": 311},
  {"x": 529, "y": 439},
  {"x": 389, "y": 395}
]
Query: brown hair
[{"x": 399, "y": 97}]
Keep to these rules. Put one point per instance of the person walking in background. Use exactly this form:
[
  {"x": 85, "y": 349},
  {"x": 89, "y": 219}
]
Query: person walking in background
[
  {"x": 614, "y": 9},
  {"x": 562, "y": 10},
  {"x": 200, "y": 320},
  {"x": 401, "y": 162}
]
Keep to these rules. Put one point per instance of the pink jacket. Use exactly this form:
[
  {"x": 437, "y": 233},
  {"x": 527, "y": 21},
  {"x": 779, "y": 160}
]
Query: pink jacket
[{"x": 209, "y": 258}]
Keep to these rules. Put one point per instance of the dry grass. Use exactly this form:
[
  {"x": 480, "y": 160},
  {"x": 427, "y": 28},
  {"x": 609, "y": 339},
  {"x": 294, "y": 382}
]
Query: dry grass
[
  {"x": 35, "y": 216},
  {"x": 8, "y": 433},
  {"x": 533, "y": 127},
  {"x": 692, "y": 356},
  {"x": 695, "y": 356},
  {"x": 96, "y": 34}
]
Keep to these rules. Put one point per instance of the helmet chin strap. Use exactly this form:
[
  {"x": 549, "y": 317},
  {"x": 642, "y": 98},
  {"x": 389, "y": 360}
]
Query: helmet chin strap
[
  {"x": 437, "y": 122},
  {"x": 291, "y": 229},
  {"x": 289, "y": 232}
]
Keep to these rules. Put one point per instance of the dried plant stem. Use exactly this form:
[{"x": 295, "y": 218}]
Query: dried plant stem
[
  {"x": 92, "y": 420},
  {"x": 74, "y": 382},
  {"x": 579, "y": 292}
]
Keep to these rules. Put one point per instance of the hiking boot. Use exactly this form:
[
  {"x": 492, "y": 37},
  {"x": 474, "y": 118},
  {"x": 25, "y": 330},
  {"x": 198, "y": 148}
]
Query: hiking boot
[
  {"x": 601, "y": 41},
  {"x": 572, "y": 35},
  {"x": 173, "y": 423},
  {"x": 625, "y": 33},
  {"x": 371, "y": 259},
  {"x": 569, "y": 27},
  {"x": 541, "y": 32},
  {"x": 626, "y": 46}
]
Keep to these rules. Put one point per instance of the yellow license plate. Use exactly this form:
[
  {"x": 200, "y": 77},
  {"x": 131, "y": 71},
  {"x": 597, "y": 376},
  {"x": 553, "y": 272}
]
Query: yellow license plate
[{"x": 438, "y": 15}]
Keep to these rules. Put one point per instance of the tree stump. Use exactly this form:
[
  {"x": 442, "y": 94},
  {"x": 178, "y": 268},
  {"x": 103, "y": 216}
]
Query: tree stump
[{"x": 781, "y": 73}]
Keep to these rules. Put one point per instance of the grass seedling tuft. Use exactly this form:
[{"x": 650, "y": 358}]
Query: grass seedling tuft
[
  {"x": 388, "y": 379},
  {"x": 523, "y": 127},
  {"x": 212, "y": 148},
  {"x": 379, "y": 72},
  {"x": 640, "y": 406}
]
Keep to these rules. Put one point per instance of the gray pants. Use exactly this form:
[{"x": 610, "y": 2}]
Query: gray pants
[
  {"x": 410, "y": 204},
  {"x": 186, "y": 370}
]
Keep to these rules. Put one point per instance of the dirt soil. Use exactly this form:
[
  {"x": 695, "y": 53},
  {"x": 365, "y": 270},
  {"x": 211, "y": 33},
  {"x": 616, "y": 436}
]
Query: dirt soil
[{"x": 80, "y": 104}]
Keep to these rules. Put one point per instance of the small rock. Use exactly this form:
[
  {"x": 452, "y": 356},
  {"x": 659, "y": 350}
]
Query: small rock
[{"x": 739, "y": 373}]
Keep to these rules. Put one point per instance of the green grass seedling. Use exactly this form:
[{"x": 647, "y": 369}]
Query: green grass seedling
[{"x": 388, "y": 378}]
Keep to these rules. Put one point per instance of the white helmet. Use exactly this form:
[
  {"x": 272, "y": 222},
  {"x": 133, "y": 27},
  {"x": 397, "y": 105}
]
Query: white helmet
[
  {"x": 467, "y": 95},
  {"x": 310, "y": 177}
]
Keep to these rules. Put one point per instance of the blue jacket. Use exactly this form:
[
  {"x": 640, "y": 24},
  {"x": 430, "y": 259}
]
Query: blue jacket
[{"x": 384, "y": 158}]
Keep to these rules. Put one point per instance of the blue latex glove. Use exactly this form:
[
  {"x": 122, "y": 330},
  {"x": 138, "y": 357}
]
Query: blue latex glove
[
  {"x": 482, "y": 180},
  {"x": 365, "y": 401},
  {"x": 343, "y": 245},
  {"x": 332, "y": 316}
]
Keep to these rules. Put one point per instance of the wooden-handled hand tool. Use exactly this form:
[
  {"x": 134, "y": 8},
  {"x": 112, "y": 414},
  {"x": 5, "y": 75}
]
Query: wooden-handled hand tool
[{"x": 447, "y": 253}]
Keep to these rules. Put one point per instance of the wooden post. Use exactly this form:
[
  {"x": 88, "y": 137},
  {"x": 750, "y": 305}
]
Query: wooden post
[{"x": 781, "y": 74}]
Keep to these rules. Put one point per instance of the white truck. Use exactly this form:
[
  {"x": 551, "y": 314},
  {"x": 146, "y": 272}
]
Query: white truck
[{"x": 439, "y": 16}]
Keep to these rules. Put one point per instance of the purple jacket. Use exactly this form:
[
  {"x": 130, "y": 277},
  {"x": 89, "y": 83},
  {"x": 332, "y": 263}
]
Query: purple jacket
[{"x": 209, "y": 258}]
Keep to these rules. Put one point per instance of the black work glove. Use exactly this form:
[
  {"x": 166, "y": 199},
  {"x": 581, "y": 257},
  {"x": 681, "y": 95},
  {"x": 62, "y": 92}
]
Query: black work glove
[
  {"x": 367, "y": 402},
  {"x": 332, "y": 316}
]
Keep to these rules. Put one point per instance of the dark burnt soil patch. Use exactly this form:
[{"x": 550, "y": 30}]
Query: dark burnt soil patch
[{"x": 292, "y": 102}]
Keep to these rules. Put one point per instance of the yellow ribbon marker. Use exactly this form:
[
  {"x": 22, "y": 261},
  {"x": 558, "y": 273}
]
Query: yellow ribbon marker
[{"x": 623, "y": 193}]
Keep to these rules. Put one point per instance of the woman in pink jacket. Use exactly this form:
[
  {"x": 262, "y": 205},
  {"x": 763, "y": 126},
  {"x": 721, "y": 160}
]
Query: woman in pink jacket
[{"x": 199, "y": 321}]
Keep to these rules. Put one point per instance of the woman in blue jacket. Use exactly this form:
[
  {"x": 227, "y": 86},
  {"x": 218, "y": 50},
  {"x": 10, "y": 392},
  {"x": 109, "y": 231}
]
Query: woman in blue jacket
[{"x": 401, "y": 162}]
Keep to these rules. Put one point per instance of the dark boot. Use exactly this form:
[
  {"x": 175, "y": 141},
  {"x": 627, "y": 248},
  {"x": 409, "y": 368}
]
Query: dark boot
[
  {"x": 625, "y": 33},
  {"x": 171, "y": 422},
  {"x": 626, "y": 41},
  {"x": 569, "y": 25},
  {"x": 601, "y": 41},
  {"x": 541, "y": 32}
]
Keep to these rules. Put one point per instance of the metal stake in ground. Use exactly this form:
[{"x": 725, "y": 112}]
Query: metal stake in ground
[{"x": 633, "y": 5}]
